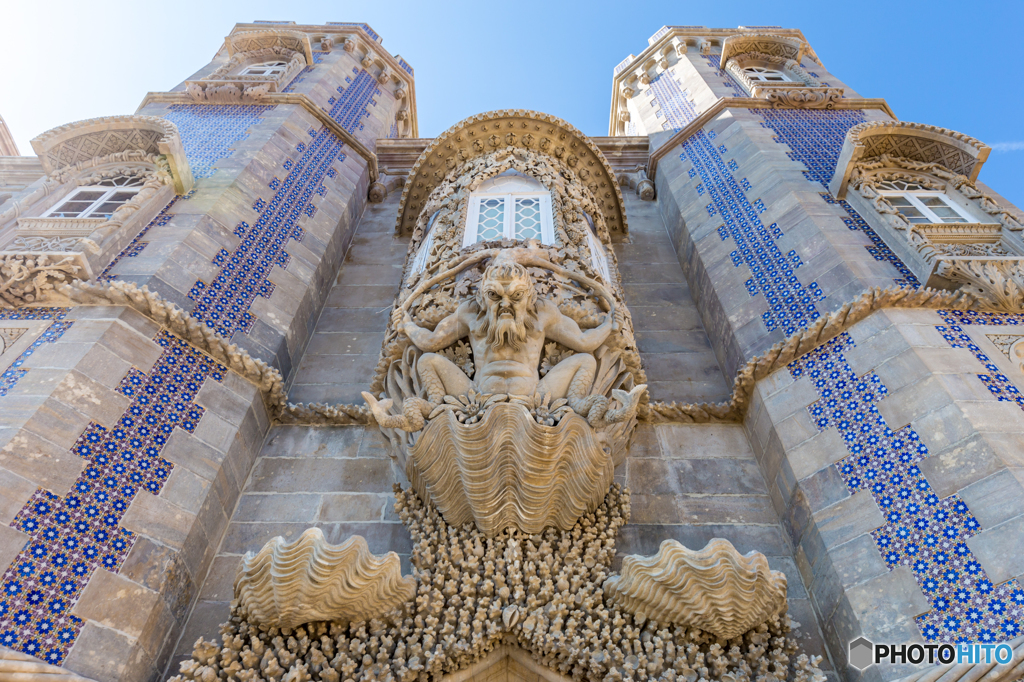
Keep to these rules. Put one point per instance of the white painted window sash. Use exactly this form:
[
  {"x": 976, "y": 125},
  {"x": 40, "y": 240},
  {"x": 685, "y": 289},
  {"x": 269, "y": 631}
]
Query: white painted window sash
[
  {"x": 107, "y": 193},
  {"x": 508, "y": 228},
  {"x": 913, "y": 198}
]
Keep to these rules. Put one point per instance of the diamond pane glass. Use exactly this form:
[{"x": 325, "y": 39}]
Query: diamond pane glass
[
  {"x": 491, "y": 224},
  {"x": 527, "y": 218}
]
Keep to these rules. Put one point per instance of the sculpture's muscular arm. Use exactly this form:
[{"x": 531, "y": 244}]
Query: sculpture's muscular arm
[
  {"x": 566, "y": 332},
  {"x": 448, "y": 331}
]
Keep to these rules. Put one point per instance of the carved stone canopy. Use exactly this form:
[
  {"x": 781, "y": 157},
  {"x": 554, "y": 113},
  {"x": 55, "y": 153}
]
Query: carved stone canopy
[
  {"x": 776, "y": 46},
  {"x": 250, "y": 41},
  {"x": 959, "y": 153},
  {"x": 83, "y": 141},
  {"x": 485, "y": 133}
]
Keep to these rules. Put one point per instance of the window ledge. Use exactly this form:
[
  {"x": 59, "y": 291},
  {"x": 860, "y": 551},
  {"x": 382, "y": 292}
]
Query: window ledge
[{"x": 64, "y": 227}]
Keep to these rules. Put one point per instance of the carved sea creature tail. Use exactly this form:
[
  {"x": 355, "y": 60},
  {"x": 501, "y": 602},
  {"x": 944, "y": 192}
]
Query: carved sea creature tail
[
  {"x": 413, "y": 417},
  {"x": 628, "y": 404}
]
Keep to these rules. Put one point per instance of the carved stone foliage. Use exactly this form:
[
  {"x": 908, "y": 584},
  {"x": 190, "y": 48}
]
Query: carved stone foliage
[
  {"x": 540, "y": 593},
  {"x": 523, "y": 133},
  {"x": 804, "y": 98},
  {"x": 716, "y": 589},
  {"x": 83, "y": 142},
  {"x": 958, "y": 153},
  {"x": 288, "y": 584},
  {"x": 28, "y": 277}
]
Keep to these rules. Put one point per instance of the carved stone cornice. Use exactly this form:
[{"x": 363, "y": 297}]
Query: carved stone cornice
[
  {"x": 957, "y": 152},
  {"x": 282, "y": 98},
  {"x": 83, "y": 141},
  {"x": 512, "y": 129}
]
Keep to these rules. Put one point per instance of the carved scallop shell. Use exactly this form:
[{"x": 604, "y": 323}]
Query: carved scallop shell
[
  {"x": 508, "y": 471},
  {"x": 286, "y": 585},
  {"x": 716, "y": 589}
]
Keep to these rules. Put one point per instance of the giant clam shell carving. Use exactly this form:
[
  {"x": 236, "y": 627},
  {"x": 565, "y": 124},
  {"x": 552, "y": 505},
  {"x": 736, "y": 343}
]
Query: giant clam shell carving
[
  {"x": 506, "y": 470},
  {"x": 286, "y": 585},
  {"x": 716, "y": 589}
]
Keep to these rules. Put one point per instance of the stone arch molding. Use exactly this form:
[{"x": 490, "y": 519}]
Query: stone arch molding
[
  {"x": 959, "y": 153},
  {"x": 512, "y": 129},
  {"x": 764, "y": 43}
]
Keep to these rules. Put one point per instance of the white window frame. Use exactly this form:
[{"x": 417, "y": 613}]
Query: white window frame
[
  {"x": 88, "y": 213},
  {"x": 913, "y": 196},
  {"x": 275, "y": 66},
  {"x": 547, "y": 231},
  {"x": 758, "y": 78}
]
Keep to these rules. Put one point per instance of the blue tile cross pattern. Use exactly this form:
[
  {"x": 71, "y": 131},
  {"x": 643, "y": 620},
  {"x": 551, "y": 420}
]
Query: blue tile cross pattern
[
  {"x": 674, "y": 101},
  {"x": 224, "y": 302},
  {"x": 922, "y": 531}
]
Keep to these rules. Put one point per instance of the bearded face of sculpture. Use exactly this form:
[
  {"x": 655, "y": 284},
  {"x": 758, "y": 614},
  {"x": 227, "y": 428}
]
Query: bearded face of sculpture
[{"x": 508, "y": 300}]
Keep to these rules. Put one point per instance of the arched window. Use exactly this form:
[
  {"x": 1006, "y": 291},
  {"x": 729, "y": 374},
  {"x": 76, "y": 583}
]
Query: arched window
[
  {"x": 765, "y": 75},
  {"x": 420, "y": 261},
  {"x": 509, "y": 206},
  {"x": 597, "y": 255},
  {"x": 265, "y": 69},
  {"x": 918, "y": 204},
  {"x": 99, "y": 200}
]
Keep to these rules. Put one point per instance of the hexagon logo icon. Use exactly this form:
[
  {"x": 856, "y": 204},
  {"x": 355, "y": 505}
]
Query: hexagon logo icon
[{"x": 861, "y": 653}]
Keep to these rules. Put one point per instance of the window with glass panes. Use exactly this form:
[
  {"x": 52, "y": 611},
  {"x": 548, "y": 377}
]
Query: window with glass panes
[
  {"x": 921, "y": 205},
  {"x": 761, "y": 74},
  {"x": 99, "y": 200},
  {"x": 510, "y": 206},
  {"x": 268, "y": 69}
]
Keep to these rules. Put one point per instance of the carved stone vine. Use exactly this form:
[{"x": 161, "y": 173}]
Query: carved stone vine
[
  {"x": 28, "y": 278},
  {"x": 824, "y": 98}
]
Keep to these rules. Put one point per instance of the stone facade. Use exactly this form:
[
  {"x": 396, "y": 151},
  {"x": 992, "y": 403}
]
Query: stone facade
[{"x": 182, "y": 378}]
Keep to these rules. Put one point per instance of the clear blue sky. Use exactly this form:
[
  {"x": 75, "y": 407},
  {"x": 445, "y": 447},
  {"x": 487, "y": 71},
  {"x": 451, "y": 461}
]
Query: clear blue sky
[{"x": 952, "y": 64}]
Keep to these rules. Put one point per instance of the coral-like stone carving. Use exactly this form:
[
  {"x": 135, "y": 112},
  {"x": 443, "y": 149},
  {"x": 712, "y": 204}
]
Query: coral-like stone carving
[
  {"x": 285, "y": 585},
  {"x": 508, "y": 471},
  {"x": 18, "y": 667},
  {"x": 541, "y": 594},
  {"x": 716, "y": 589}
]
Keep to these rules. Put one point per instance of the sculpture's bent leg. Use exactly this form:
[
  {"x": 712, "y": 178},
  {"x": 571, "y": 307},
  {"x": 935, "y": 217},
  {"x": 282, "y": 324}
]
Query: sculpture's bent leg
[
  {"x": 573, "y": 378},
  {"x": 440, "y": 377}
]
